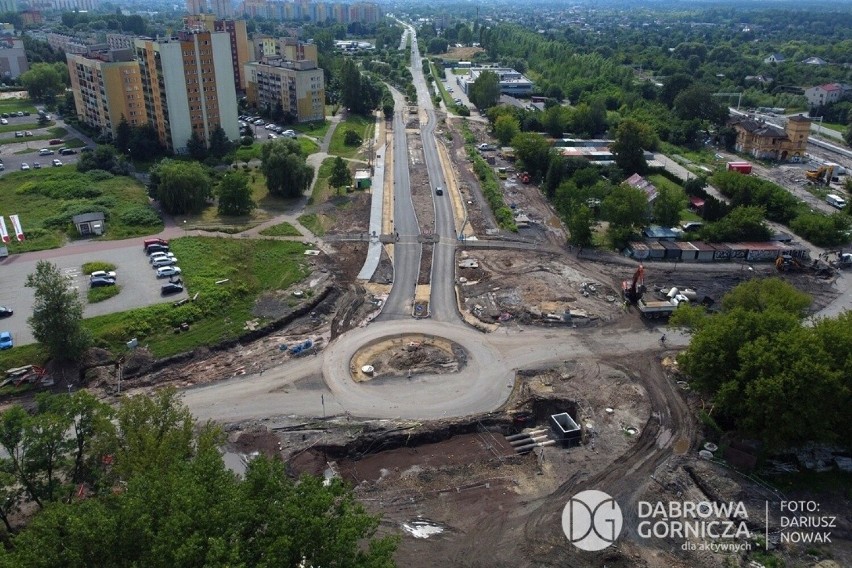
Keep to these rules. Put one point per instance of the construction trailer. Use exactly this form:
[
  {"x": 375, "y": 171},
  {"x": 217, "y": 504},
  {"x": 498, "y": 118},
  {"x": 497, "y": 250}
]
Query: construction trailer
[{"x": 741, "y": 167}]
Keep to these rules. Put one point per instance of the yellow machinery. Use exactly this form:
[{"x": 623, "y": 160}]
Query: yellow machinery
[{"x": 821, "y": 175}]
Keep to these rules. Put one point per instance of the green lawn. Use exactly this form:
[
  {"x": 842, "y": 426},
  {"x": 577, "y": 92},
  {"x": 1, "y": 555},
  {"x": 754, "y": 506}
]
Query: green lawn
[
  {"x": 284, "y": 229},
  {"x": 321, "y": 189},
  {"x": 448, "y": 100},
  {"x": 248, "y": 153},
  {"x": 46, "y": 199},
  {"x": 221, "y": 310},
  {"x": 95, "y": 295},
  {"x": 308, "y": 146},
  {"x": 360, "y": 124},
  {"x": 25, "y": 126},
  {"x": 19, "y": 356},
  {"x": 662, "y": 181},
  {"x": 313, "y": 223},
  {"x": 316, "y": 129},
  {"x": 15, "y": 105},
  {"x": 835, "y": 126}
]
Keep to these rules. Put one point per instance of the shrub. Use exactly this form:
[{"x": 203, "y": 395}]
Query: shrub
[
  {"x": 141, "y": 215},
  {"x": 99, "y": 175},
  {"x": 104, "y": 293},
  {"x": 352, "y": 138},
  {"x": 95, "y": 265}
]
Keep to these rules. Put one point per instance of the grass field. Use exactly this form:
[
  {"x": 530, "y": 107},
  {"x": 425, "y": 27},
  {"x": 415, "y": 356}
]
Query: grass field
[
  {"x": 360, "y": 124},
  {"x": 308, "y": 146},
  {"x": 248, "y": 153},
  {"x": 448, "y": 100},
  {"x": 95, "y": 295},
  {"x": 21, "y": 355},
  {"x": 249, "y": 267},
  {"x": 314, "y": 223},
  {"x": 15, "y": 105},
  {"x": 284, "y": 229},
  {"x": 316, "y": 129},
  {"x": 46, "y": 199},
  {"x": 23, "y": 126},
  {"x": 322, "y": 191}
]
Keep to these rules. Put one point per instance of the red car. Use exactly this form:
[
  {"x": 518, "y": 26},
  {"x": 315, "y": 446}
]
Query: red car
[{"x": 148, "y": 242}]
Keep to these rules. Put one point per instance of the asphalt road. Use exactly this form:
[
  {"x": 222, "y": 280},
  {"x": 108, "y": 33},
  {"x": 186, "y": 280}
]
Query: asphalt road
[
  {"x": 442, "y": 303},
  {"x": 407, "y": 251},
  {"x": 138, "y": 281}
]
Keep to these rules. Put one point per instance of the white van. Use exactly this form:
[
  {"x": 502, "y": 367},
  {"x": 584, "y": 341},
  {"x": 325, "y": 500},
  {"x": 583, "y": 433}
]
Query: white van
[{"x": 835, "y": 201}]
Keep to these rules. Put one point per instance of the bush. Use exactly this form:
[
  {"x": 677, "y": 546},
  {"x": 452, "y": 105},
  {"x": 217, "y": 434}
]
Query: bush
[
  {"x": 95, "y": 265},
  {"x": 99, "y": 175},
  {"x": 352, "y": 138},
  {"x": 95, "y": 295},
  {"x": 141, "y": 215}
]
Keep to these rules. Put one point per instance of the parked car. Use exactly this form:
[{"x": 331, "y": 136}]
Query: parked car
[
  {"x": 101, "y": 282},
  {"x": 3, "y": 121},
  {"x": 156, "y": 248},
  {"x": 20, "y": 113},
  {"x": 103, "y": 274},
  {"x": 5, "y": 312},
  {"x": 289, "y": 133},
  {"x": 46, "y": 152},
  {"x": 171, "y": 288},
  {"x": 55, "y": 141},
  {"x": 164, "y": 261},
  {"x": 148, "y": 242},
  {"x": 2, "y": 167},
  {"x": 167, "y": 271},
  {"x": 272, "y": 136},
  {"x": 28, "y": 133},
  {"x": 24, "y": 166},
  {"x": 87, "y": 149},
  {"x": 19, "y": 134},
  {"x": 6, "y": 340},
  {"x": 67, "y": 151},
  {"x": 259, "y": 122},
  {"x": 156, "y": 255},
  {"x": 57, "y": 162},
  {"x": 37, "y": 165}
]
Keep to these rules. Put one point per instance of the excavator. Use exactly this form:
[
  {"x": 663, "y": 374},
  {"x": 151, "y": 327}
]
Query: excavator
[
  {"x": 634, "y": 289},
  {"x": 821, "y": 175}
]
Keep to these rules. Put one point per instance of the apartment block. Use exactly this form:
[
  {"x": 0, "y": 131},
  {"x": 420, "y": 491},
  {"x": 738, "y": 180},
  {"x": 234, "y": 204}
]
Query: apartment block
[
  {"x": 107, "y": 85},
  {"x": 189, "y": 86},
  {"x": 286, "y": 48},
  {"x": 222, "y": 8},
  {"x": 364, "y": 12},
  {"x": 120, "y": 41},
  {"x": 196, "y": 6},
  {"x": 236, "y": 29},
  {"x": 298, "y": 86},
  {"x": 13, "y": 58}
]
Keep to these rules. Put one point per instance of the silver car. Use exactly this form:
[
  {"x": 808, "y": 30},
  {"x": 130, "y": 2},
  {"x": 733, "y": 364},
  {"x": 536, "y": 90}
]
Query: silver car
[{"x": 164, "y": 261}]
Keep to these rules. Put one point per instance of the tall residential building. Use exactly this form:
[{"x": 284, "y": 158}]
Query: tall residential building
[
  {"x": 240, "y": 48},
  {"x": 222, "y": 8},
  {"x": 107, "y": 85},
  {"x": 196, "y": 6},
  {"x": 286, "y": 48},
  {"x": 189, "y": 86},
  {"x": 13, "y": 58},
  {"x": 298, "y": 86}
]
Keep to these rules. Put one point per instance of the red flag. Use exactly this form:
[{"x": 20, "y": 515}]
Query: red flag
[
  {"x": 4, "y": 234},
  {"x": 16, "y": 225}
]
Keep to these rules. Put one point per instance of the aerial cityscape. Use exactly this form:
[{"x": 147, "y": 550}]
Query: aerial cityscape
[{"x": 474, "y": 284}]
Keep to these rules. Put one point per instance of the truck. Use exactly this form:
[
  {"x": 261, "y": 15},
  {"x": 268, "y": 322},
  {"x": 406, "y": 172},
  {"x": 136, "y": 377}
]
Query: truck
[
  {"x": 655, "y": 309},
  {"x": 741, "y": 167},
  {"x": 835, "y": 200}
]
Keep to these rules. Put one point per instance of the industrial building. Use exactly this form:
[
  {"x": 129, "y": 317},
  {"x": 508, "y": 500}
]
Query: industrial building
[
  {"x": 511, "y": 82},
  {"x": 13, "y": 58}
]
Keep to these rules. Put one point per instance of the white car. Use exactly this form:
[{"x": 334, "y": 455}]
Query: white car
[
  {"x": 167, "y": 271},
  {"x": 57, "y": 162},
  {"x": 164, "y": 261},
  {"x": 103, "y": 274},
  {"x": 3, "y": 121},
  {"x": 155, "y": 255},
  {"x": 289, "y": 133},
  {"x": 25, "y": 166}
]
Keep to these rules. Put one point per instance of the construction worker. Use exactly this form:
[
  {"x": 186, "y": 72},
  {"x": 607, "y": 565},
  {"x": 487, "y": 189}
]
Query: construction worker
[{"x": 663, "y": 340}]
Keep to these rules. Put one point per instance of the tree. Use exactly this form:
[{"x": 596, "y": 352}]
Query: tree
[
  {"x": 533, "y": 150},
  {"x": 235, "y": 195},
  {"x": 180, "y": 187},
  {"x": 697, "y": 102},
  {"x": 340, "y": 176},
  {"x": 103, "y": 158},
  {"x": 673, "y": 87},
  {"x": 178, "y": 505},
  {"x": 57, "y": 320},
  {"x": 740, "y": 224},
  {"x": 352, "y": 138},
  {"x": 122, "y": 135},
  {"x": 437, "y": 45},
  {"x": 196, "y": 147},
  {"x": 219, "y": 143},
  {"x": 283, "y": 164},
  {"x": 631, "y": 140},
  {"x": 625, "y": 208},
  {"x": 669, "y": 203},
  {"x": 766, "y": 294},
  {"x": 506, "y": 127},
  {"x": 485, "y": 91},
  {"x": 43, "y": 82},
  {"x": 579, "y": 224}
]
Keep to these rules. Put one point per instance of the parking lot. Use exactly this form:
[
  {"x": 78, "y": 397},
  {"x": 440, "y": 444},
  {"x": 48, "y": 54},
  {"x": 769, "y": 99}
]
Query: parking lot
[
  {"x": 138, "y": 281},
  {"x": 29, "y": 148}
]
